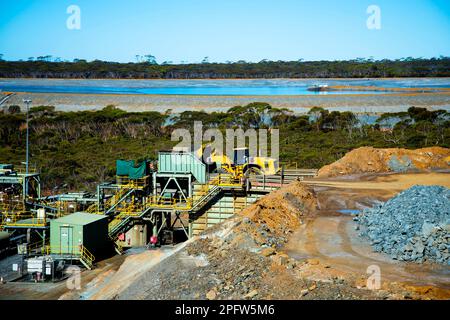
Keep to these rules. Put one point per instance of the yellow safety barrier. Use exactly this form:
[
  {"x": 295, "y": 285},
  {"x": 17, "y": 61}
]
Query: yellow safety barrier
[
  {"x": 22, "y": 169},
  {"x": 79, "y": 251},
  {"x": 125, "y": 182},
  {"x": 169, "y": 203},
  {"x": 117, "y": 246},
  {"x": 225, "y": 180},
  {"x": 36, "y": 247},
  {"x": 23, "y": 220},
  {"x": 12, "y": 207},
  {"x": 111, "y": 201}
]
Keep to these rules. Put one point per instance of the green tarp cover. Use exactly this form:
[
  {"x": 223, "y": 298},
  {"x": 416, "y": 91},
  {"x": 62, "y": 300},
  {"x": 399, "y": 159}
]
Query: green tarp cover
[{"x": 127, "y": 168}]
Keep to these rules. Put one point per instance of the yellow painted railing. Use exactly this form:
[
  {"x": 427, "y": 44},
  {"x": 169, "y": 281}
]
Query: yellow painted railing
[
  {"x": 23, "y": 220},
  {"x": 163, "y": 202},
  {"x": 93, "y": 208},
  {"x": 87, "y": 255},
  {"x": 130, "y": 209},
  {"x": 117, "y": 246},
  {"x": 135, "y": 209},
  {"x": 12, "y": 207},
  {"x": 22, "y": 169},
  {"x": 125, "y": 182},
  {"x": 36, "y": 247},
  {"x": 78, "y": 250},
  {"x": 225, "y": 180},
  {"x": 117, "y": 219}
]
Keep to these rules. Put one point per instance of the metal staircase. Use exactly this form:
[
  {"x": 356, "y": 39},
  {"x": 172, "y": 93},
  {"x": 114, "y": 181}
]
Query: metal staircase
[
  {"x": 223, "y": 209},
  {"x": 206, "y": 198},
  {"x": 121, "y": 198},
  {"x": 122, "y": 220},
  {"x": 86, "y": 258}
]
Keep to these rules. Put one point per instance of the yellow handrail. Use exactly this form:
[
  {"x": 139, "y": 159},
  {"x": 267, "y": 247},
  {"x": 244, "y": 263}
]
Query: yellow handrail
[
  {"x": 162, "y": 202},
  {"x": 22, "y": 169},
  {"x": 109, "y": 203},
  {"x": 78, "y": 250},
  {"x": 117, "y": 245},
  {"x": 87, "y": 255},
  {"x": 23, "y": 219},
  {"x": 225, "y": 180},
  {"x": 126, "y": 182}
]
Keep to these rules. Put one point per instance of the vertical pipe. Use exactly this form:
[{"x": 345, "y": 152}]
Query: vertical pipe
[
  {"x": 190, "y": 187},
  {"x": 39, "y": 187},
  {"x": 98, "y": 198},
  {"x": 28, "y": 104}
]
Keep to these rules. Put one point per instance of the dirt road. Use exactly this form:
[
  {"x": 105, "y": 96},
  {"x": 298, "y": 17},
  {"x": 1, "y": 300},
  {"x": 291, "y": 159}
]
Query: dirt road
[{"x": 389, "y": 183}]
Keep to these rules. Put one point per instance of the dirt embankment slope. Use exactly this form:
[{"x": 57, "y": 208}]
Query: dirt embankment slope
[{"x": 373, "y": 160}]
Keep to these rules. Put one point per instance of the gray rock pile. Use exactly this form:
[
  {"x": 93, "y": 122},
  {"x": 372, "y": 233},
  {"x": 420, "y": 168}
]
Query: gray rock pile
[{"x": 412, "y": 226}]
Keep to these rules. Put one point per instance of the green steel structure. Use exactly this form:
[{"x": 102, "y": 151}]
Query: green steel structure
[{"x": 29, "y": 184}]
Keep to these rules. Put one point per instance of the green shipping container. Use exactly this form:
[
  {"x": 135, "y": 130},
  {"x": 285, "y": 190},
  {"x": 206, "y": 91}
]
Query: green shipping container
[{"x": 80, "y": 228}]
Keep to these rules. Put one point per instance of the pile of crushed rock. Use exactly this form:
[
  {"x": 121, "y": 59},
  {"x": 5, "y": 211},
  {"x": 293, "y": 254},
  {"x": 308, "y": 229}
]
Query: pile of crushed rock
[{"x": 413, "y": 226}]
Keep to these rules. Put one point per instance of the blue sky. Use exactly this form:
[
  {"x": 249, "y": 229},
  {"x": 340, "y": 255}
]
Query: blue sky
[{"x": 251, "y": 30}]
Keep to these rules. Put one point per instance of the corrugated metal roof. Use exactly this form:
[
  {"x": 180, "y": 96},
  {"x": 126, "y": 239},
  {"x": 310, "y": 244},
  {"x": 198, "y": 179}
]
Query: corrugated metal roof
[{"x": 80, "y": 218}]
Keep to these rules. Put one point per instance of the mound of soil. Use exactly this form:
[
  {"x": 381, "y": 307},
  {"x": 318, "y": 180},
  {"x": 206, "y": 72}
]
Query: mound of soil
[
  {"x": 274, "y": 216},
  {"x": 369, "y": 159}
]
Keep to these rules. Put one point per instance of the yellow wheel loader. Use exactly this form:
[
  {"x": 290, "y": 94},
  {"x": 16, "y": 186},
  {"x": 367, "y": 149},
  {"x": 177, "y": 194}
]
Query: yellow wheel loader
[{"x": 241, "y": 165}]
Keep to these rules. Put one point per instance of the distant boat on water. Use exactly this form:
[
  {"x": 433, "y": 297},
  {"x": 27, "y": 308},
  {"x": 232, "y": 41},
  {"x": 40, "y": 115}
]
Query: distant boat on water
[{"x": 319, "y": 87}]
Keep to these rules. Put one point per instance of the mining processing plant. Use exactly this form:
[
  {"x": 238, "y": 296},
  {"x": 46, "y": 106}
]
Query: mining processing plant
[{"x": 167, "y": 201}]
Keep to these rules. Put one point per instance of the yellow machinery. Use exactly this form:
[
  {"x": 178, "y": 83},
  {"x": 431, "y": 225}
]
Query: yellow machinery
[{"x": 241, "y": 165}]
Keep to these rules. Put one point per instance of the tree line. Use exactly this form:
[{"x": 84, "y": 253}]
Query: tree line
[{"x": 148, "y": 68}]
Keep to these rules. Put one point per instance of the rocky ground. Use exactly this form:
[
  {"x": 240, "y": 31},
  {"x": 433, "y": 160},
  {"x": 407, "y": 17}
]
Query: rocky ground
[{"x": 412, "y": 226}]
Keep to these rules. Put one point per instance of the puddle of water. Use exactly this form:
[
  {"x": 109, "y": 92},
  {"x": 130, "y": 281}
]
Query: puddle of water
[{"x": 349, "y": 211}]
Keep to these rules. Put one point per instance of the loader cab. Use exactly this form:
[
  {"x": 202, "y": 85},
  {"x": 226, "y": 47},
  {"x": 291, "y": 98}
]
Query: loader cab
[{"x": 241, "y": 156}]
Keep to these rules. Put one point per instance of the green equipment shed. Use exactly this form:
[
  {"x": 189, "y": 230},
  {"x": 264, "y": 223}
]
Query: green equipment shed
[{"x": 80, "y": 228}]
